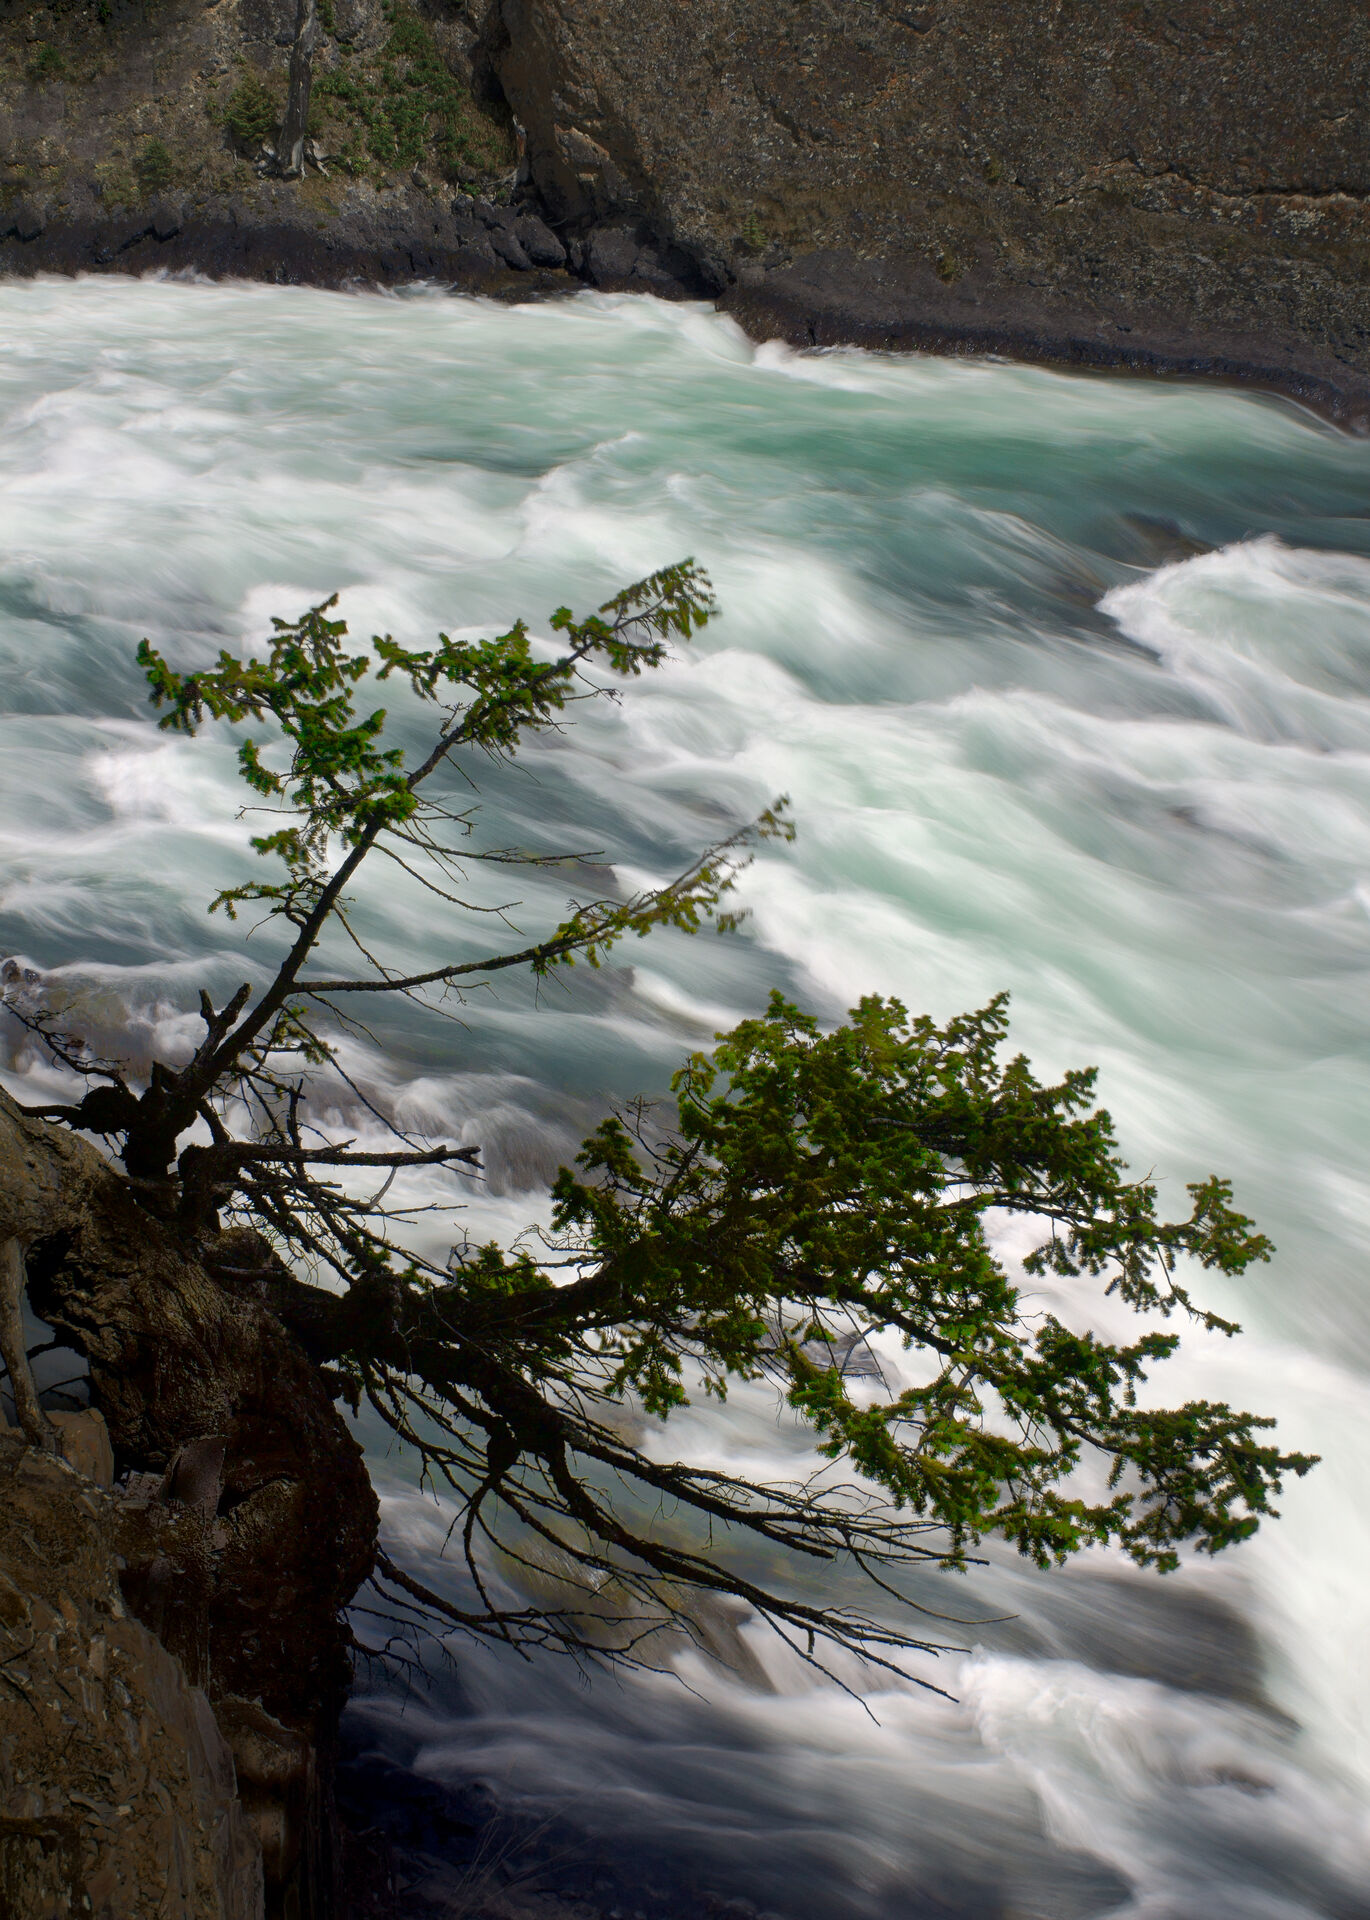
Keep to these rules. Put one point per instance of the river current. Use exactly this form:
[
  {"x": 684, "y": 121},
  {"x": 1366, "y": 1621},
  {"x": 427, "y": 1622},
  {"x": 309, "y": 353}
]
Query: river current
[{"x": 1069, "y": 680}]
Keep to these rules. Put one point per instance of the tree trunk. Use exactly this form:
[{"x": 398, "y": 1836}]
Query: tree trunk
[
  {"x": 37, "y": 1429},
  {"x": 290, "y": 145}
]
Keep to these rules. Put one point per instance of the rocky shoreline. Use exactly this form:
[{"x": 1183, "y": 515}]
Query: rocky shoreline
[
  {"x": 511, "y": 252},
  {"x": 470, "y": 245}
]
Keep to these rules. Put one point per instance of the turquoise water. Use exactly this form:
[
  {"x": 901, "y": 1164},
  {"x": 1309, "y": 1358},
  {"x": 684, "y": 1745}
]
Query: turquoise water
[{"x": 1069, "y": 680}]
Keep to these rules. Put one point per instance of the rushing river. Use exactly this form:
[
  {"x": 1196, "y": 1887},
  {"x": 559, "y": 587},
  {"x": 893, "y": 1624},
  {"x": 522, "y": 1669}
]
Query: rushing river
[{"x": 1069, "y": 680}]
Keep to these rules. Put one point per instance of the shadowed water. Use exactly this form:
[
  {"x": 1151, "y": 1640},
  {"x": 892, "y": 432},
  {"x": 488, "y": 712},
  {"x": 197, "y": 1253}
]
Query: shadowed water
[{"x": 1069, "y": 680}]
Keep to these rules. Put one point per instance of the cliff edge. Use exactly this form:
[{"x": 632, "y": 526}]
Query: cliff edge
[{"x": 174, "y": 1638}]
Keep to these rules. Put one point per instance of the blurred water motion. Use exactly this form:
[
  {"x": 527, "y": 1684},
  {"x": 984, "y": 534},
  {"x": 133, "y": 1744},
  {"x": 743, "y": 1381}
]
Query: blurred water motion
[{"x": 1070, "y": 682}]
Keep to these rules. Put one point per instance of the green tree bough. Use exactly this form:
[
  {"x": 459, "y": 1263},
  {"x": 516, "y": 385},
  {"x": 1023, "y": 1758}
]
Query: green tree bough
[{"x": 812, "y": 1189}]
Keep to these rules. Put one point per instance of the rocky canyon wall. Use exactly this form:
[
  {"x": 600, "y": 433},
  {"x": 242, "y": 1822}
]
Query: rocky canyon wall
[
  {"x": 119, "y": 1797},
  {"x": 1092, "y": 182}
]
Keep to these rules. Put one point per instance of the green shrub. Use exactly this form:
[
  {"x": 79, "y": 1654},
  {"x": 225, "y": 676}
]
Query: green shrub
[
  {"x": 154, "y": 167},
  {"x": 252, "y": 115},
  {"x": 46, "y": 64},
  {"x": 413, "y": 102}
]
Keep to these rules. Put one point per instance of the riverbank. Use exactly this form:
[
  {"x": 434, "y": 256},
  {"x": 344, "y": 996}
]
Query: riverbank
[
  {"x": 1180, "y": 194},
  {"x": 479, "y": 247}
]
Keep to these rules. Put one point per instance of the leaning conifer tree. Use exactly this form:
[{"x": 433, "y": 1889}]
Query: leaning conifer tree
[{"x": 813, "y": 1188}]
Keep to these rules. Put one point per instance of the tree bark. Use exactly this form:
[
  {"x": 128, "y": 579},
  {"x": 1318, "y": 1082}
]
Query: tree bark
[{"x": 290, "y": 145}]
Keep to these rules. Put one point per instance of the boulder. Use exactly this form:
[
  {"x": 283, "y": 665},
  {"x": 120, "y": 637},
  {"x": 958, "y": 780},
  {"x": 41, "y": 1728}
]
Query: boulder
[
  {"x": 539, "y": 242},
  {"x": 612, "y": 256},
  {"x": 508, "y": 247}
]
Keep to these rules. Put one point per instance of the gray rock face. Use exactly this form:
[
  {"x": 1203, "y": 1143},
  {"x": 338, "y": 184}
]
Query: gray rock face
[{"x": 1182, "y": 185}]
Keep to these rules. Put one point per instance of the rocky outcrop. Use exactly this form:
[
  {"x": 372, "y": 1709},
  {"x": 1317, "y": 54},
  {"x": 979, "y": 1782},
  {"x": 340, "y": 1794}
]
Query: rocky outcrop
[
  {"x": 132, "y": 137},
  {"x": 119, "y": 1799},
  {"x": 131, "y": 140},
  {"x": 248, "y": 1519},
  {"x": 1183, "y": 185},
  {"x": 375, "y": 236}
]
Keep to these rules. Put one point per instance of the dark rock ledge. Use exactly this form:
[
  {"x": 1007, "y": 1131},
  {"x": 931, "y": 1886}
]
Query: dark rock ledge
[
  {"x": 834, "y": 299},
  {"x": 506, "y": 251},
  {"x": 514, "y": 252}
]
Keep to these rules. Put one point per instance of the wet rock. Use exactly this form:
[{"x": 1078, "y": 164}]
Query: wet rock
[
  {"x": 539, "y": 242},
  {"x": 611, "y": 256},
  {"x": 623, "y": 257},
  {"x": 164, "y": 220},
  {"x": 467, "y": 225},
  {"x": 507, "y": 245},
  {"x": 666, "y": 271},
  {"x": 471, "y": 266}
]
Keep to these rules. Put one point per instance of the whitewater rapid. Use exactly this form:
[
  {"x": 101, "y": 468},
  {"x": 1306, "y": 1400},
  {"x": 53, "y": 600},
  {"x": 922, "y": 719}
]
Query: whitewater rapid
[{"x": 1069, "y": 681}]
